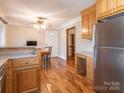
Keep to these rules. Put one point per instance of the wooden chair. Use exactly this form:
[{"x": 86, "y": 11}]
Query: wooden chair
[{"x": 46, "y": 56}]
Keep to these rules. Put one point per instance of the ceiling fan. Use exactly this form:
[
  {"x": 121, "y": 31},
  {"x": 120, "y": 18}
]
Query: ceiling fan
[{"x": 43, "y": 24}]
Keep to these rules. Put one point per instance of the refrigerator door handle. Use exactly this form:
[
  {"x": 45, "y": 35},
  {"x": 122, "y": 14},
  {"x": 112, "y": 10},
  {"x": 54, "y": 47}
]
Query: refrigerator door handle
[
  {"x": 94, "y": 45},
  {"x": 94, "y": 36},
  {"x": 95, "y": 57}
]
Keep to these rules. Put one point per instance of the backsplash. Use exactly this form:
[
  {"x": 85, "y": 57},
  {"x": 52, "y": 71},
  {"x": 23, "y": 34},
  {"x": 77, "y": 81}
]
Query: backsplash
[{"x": 17, "y": 51}]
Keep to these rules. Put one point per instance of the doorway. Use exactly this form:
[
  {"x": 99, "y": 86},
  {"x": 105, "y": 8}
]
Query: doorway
[{"x": 71, "y": 43}]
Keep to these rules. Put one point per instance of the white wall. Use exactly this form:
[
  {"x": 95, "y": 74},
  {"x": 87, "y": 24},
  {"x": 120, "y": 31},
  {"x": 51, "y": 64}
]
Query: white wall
[
  {"x": 81, "y": 44},
  {"x": 18, "y": 35},
  {"x": 52, "y": 39}
]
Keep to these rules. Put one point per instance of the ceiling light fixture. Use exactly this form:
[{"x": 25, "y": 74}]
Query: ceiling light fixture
[{"x": 41, "y": 24}]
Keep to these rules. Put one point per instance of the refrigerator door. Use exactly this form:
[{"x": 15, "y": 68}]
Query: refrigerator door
[
  {"x": 109, "y": 69},
  {"x": 110, "y": 33},
  {"x": 97, "y": 69}
]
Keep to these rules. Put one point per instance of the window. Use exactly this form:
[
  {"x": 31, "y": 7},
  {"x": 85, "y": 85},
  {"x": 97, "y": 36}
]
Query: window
[{"x": 2, "y": 35}]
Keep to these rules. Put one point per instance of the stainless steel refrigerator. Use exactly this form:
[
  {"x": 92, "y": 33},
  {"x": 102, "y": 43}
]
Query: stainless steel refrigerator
[{"x": 109, "y": 55}]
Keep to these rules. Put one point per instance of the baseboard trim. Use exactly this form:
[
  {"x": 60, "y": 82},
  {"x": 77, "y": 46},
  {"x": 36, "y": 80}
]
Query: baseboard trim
[{"x": 62, "y": 57}]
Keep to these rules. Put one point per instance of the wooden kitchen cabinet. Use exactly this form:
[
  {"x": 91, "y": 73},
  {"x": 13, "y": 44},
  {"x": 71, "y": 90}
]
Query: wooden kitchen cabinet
[
  {"x": 119, "y": 5},
  {"x": 26, "y": 79},
  {"x": 84, "y": 65},
  {"x": 80, "y": 64},
  {"x": 85, "y": 24},
  {"x": 89, "y": 67},
  {"x": 88, "y": 20},
  {"x": 22, "y": 75},
  {"x": 92, "y": 20},
  {"x": 102, "y": 8},
  {"x": 23, "y": 62},
  {"x": 107, "y": 8},
  {"x": 9, "y": 77},
  {"x": 26, "y": 75}
]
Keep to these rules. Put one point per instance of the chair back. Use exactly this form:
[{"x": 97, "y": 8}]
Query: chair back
[{"x": 49, "y": 49}]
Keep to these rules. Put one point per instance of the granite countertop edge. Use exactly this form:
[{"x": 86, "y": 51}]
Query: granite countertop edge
[
  {"x": 35, "y": 47},
  {"x": 5, "y": 58},
  {"x": 86, "y": 53}
]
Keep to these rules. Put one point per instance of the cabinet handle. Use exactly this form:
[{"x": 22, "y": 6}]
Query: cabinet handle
[{"x": 114, "y": 4}]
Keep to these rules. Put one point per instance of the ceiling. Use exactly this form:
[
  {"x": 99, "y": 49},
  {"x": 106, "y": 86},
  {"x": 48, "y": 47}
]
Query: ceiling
[{"x": 24, "y": 12}]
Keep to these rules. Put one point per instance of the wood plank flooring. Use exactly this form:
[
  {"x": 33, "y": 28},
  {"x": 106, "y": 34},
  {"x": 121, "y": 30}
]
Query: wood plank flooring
[{"x": 61, "y": 78}]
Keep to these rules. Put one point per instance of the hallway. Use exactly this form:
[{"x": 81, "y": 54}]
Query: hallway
[{"x": 61, "y": 78}]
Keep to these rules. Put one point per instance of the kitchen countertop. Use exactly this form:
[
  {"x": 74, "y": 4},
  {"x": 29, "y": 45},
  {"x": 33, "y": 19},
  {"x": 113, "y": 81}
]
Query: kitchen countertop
[
  {"x": 24, "y": 47},
  {"x": 9, "y": 52},
  {"x": 4, "y": 58},
  {"x": 12, "y": 47},
  {"x": 85, "y": 52}
]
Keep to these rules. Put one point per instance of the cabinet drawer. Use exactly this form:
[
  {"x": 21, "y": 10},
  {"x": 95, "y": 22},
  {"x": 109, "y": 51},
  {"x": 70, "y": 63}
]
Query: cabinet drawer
[{"x": 25, "y": 62}]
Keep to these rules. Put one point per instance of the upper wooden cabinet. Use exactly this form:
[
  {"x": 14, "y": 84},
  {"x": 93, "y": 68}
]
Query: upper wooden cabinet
[
  {"x": 106, "y": 8},
  {"x": 119, "y": 5},
  {"x": 88, "y": 20},
  {"x": 85, "y": 24},
  {"x": 92, "y": 20},
  {"x": 102, "y": 8}
]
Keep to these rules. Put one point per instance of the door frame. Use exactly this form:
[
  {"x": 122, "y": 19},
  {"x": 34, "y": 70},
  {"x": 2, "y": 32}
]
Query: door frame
[{"x": 67, "y": 32}]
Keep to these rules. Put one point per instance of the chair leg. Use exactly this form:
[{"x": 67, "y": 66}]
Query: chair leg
[
  {"x": 46, "y": 62},
  {"x": 49, "y": 62}
]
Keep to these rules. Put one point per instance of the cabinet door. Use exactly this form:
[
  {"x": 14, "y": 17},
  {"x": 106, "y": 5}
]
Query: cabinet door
[
  {"x": 9, "y": 77},
  {"x": 92, "y": 21},
  {"x": 119, "y": 5},
  {"x": 88, "y": 22},
  {"x": 90, "y": 68},
  {"x": 85, "y": 25},
  {"x": 104, "y": 8},
  {"x": 9, "y": 81},
  {"x": 26, "y": 80}
]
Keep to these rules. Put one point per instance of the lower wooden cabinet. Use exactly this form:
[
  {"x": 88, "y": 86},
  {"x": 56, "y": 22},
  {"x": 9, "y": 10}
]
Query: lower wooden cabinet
[
  {"x": 90, "y": 68},
  {"x": 80, "y": 64},
  {"x": 26, "y": 79},
  {"x": 84, "y": 66},
  {"x": 22, "y": 75},
  {"x": 9, "y": 77}
]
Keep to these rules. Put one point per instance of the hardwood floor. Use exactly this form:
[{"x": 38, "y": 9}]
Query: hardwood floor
[
  {"x": 61, "y": 78},
  {"x": 71, "y": 61}
]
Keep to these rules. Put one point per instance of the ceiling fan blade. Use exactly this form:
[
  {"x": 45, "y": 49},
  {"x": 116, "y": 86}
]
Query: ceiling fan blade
[{"x": 55, "y": 29}]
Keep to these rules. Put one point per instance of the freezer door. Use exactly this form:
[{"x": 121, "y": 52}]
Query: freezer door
[
  {"x": 109, "y": 70},
  {"x": 110, "y": 33}
]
